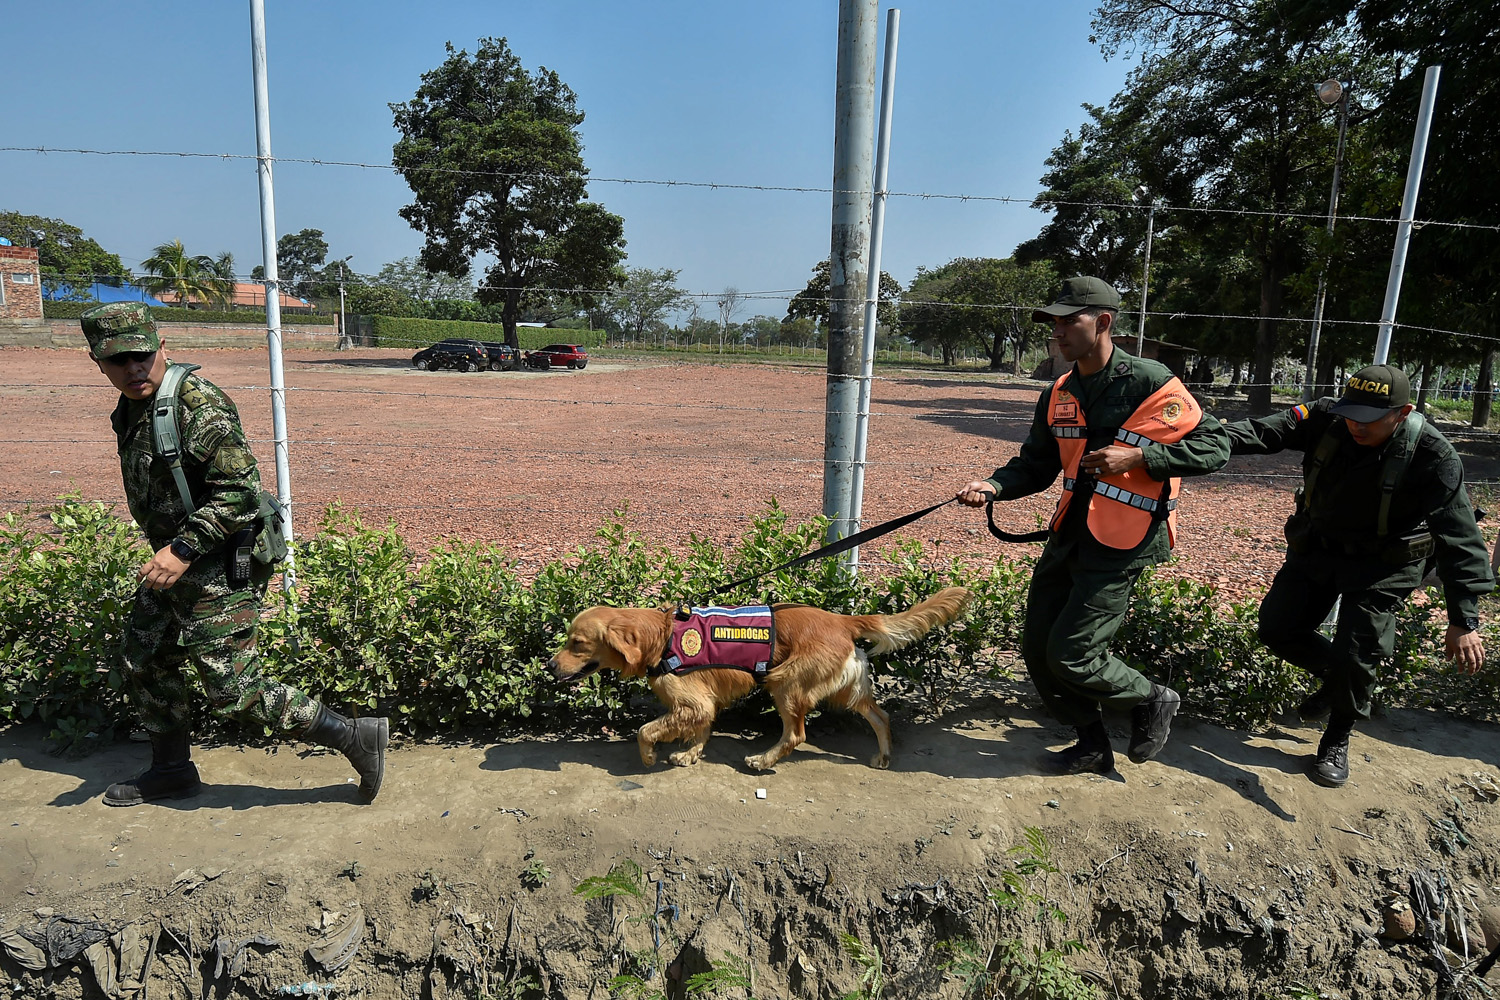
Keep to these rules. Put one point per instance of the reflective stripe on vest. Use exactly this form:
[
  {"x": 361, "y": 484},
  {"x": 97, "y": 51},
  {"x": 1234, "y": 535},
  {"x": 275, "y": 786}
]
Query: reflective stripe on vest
[{"x": 1123, "y": 507}]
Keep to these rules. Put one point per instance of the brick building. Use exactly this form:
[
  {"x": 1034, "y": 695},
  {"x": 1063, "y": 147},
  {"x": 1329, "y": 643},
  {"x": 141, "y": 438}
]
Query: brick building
[
  {"x": 20, "y": 284},
  {"x": 21, "y": 319}
]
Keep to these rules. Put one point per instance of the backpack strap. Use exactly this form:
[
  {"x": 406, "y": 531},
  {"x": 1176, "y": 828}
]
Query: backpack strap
[
  {"x": 166, "y": 437},
  {"x": 1397, "y": 461},
  {"x": 1327, "y": 445}
]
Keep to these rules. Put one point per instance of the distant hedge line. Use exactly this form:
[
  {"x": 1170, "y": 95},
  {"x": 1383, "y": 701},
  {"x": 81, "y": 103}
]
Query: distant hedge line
[
  {"x": 408, "y": 331},
  {"x": 176, "y": 314},
  {"x": 458, "y": 637}
]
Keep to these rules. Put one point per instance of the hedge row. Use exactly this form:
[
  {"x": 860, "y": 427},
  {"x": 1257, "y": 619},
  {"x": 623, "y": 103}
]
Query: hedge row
[
  {"x": 413, "y": 333},
  {"x": 177, "y": 314},
  {"x": 459, "y": 639}
]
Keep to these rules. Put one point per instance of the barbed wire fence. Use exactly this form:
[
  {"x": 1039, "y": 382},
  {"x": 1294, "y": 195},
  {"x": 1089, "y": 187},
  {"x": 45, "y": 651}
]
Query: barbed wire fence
[{"x": 1279, "y": 481}]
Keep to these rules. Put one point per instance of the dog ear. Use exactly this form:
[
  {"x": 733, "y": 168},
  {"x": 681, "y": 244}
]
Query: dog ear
[{"x": 624, "y": 637}]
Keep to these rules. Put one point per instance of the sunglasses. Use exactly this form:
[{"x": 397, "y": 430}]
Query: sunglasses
[{"x": 124, "y": 358}]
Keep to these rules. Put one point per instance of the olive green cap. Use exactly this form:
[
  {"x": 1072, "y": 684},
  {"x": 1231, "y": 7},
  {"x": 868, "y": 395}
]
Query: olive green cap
[
  {"x": 117, "y": 327},
  {"x": 1077, "y": 294}
]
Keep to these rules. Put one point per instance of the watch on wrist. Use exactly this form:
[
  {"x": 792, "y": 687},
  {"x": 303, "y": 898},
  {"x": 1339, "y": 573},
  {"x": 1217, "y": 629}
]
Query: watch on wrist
[
  {"x": 182, "y": 550},
  {"x": 1472, "y": 624}
]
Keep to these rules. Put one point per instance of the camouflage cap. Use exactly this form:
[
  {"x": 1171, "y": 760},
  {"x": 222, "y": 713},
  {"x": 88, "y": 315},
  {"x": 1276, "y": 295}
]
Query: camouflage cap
[{"x": 118, "y": 327}]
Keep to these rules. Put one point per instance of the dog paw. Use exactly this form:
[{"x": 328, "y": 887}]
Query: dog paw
[
  {"x": 684, "y": 758},
  {"x": 881, "y": 761},
  {"x": 757, "y": 763},
  {"x": 648, "y": 757}
]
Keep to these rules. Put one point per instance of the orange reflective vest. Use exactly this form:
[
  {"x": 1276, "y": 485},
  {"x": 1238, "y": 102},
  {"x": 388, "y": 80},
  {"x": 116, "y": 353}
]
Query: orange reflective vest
[{"x": 1123, "y": 507}]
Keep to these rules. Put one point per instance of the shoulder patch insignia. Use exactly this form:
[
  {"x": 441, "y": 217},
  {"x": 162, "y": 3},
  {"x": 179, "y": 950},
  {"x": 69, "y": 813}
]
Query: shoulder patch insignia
[
  {"x": 1123, "y": 368},
  {"x": 191, "y": 396},
  {"x": 1300, "y": 412},
  {"x": 1171, "y": 410}
]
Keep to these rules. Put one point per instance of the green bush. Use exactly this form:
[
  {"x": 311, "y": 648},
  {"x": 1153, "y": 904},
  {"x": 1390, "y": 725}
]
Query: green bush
[
  {"x": 176, "y": 314},
  {"x": 458, "y": 638},
  {"x": 414, "y": 333}
]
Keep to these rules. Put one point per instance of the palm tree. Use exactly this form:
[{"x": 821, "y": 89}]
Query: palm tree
[
  {"x": 173, "y": 270},
  {"x": 222, "y": 270}
]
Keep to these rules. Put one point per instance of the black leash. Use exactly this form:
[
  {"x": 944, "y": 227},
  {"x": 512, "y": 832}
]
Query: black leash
[
  {"x": 842, "y": 545},
  {"x": 1040, "y": 535},
  {"x": 860, "y": 537}
]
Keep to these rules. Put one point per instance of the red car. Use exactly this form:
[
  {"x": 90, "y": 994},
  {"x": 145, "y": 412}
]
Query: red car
[{"x": 557, "y": 356}]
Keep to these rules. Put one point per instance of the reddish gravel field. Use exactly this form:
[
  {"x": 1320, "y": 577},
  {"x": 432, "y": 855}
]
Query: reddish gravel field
[{"x": 535, "y": 461}]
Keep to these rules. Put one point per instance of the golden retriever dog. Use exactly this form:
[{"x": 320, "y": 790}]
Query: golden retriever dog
[{"x": 815, "y": 660}]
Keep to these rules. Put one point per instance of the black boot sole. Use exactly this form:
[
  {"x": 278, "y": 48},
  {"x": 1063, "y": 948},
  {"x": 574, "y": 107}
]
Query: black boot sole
[{"x": 185, "y": 793}]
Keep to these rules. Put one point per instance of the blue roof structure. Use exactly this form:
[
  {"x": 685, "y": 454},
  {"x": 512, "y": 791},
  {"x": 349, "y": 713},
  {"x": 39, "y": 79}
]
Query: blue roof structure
[{"x": 99, "y": 292}]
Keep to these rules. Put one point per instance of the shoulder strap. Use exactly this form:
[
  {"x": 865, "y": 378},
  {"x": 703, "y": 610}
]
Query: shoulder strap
[
  {"x": 1397, "y": 461},
  {"x": 166, "y": 437},
  {"x": 1327, "y": 445}
]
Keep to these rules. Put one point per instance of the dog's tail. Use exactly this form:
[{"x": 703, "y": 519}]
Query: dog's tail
[{"x": 891, "y": 632}]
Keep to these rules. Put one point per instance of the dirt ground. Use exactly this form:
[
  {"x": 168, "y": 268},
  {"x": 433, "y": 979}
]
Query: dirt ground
[{"x": 1218, "y": 870}]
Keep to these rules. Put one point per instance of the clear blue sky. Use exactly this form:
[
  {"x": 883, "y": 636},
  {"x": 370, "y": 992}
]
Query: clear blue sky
[{"x": 691, "y": 90}]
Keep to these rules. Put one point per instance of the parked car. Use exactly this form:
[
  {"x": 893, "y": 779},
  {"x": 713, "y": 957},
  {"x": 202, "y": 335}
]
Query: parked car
[
  {"x": 502, "y": 356},
  {"x": 456, "y": 353},
  {"x": 557, "y": 356}
]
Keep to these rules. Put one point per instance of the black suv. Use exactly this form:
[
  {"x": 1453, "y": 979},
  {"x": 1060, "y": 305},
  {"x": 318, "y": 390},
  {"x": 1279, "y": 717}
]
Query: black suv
[
  {"x": 502, "y": 356},
  {"x": 456, "y": 353}
]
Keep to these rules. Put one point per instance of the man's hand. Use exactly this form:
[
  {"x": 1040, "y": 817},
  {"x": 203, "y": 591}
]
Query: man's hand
[
  {"x": 976, "y": 494},
  {"x": 1464, "y": 648},
  {"x": 163, "y": 570},
  {"x": 1112, "y": 460}
]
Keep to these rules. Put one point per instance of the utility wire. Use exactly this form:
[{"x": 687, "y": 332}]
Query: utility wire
[{"x": 727, "y": 186}]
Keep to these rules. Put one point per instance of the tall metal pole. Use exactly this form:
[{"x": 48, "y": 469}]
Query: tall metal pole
[
  {"x": 1140, "y": 332},
  {"x": 1309, "y": 383},
  {"x": 872, "y": 281},
  {"x": 344, "y": 341},
  {"x": 853, "y": 141},
  {"x": 1408, "y": 212},
  {"x": 273, "y": 289}
]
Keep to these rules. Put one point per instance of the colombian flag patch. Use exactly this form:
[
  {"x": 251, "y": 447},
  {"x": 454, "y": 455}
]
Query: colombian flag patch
[{"x": 1300, "y": 412}]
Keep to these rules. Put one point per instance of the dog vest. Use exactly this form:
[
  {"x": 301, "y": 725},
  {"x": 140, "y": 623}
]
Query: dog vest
[
  {"x": 737, "y": 638},
  {"x": 1123, "y": 507}
]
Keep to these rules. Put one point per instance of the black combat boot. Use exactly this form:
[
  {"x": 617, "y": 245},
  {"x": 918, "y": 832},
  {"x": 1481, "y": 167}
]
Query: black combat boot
[
  {"x": 1092, "y": 753},
  {"x": 172, "y": 774},
  {"x": 363, "y": 741},
  {"x": 1330, "y": 768},
  {"x": 1315, "y": 706},
  {"x": 1151, "y": 722}
]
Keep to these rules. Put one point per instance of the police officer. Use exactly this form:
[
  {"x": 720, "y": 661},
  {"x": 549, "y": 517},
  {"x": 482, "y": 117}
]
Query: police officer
[
  {"x": 1122, "y": 431},
  {"x": 1382, "y": 496},
  {"x": 189, "y": 609}
]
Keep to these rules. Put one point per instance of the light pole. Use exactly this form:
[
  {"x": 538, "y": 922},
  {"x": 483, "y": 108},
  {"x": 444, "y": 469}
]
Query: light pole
[
  {"x": 1329, "y": 91},
  {"x": 345, "y": 342},
  {"x": 1141, "y": 193}
]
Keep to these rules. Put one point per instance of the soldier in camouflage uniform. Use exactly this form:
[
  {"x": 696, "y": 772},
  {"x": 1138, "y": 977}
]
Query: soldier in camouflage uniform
[{"x": 188, "y": 610}]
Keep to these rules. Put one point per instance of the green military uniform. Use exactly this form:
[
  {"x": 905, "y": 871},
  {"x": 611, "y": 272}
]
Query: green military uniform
[
  {"x": 204, "y": 619},
  {"x": 1338, "y": 552},
  {"x": 1080, "y": 589}
]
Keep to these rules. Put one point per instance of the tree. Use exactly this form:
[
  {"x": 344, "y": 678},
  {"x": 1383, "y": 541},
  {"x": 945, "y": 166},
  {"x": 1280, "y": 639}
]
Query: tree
[
  {"x": 493, "y": 157},
  {"x": 813, "y": 301},
  {"x": 190, "y": 278},
  {"x": 729, "y": 300},
  {"x": 981, "y": 298},
  {"x": 646, "y": 298},
  {"x": 1218, "y": 115},
  {"x": 65, "y": 256},
  {"x": 408, "y": 276}
]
